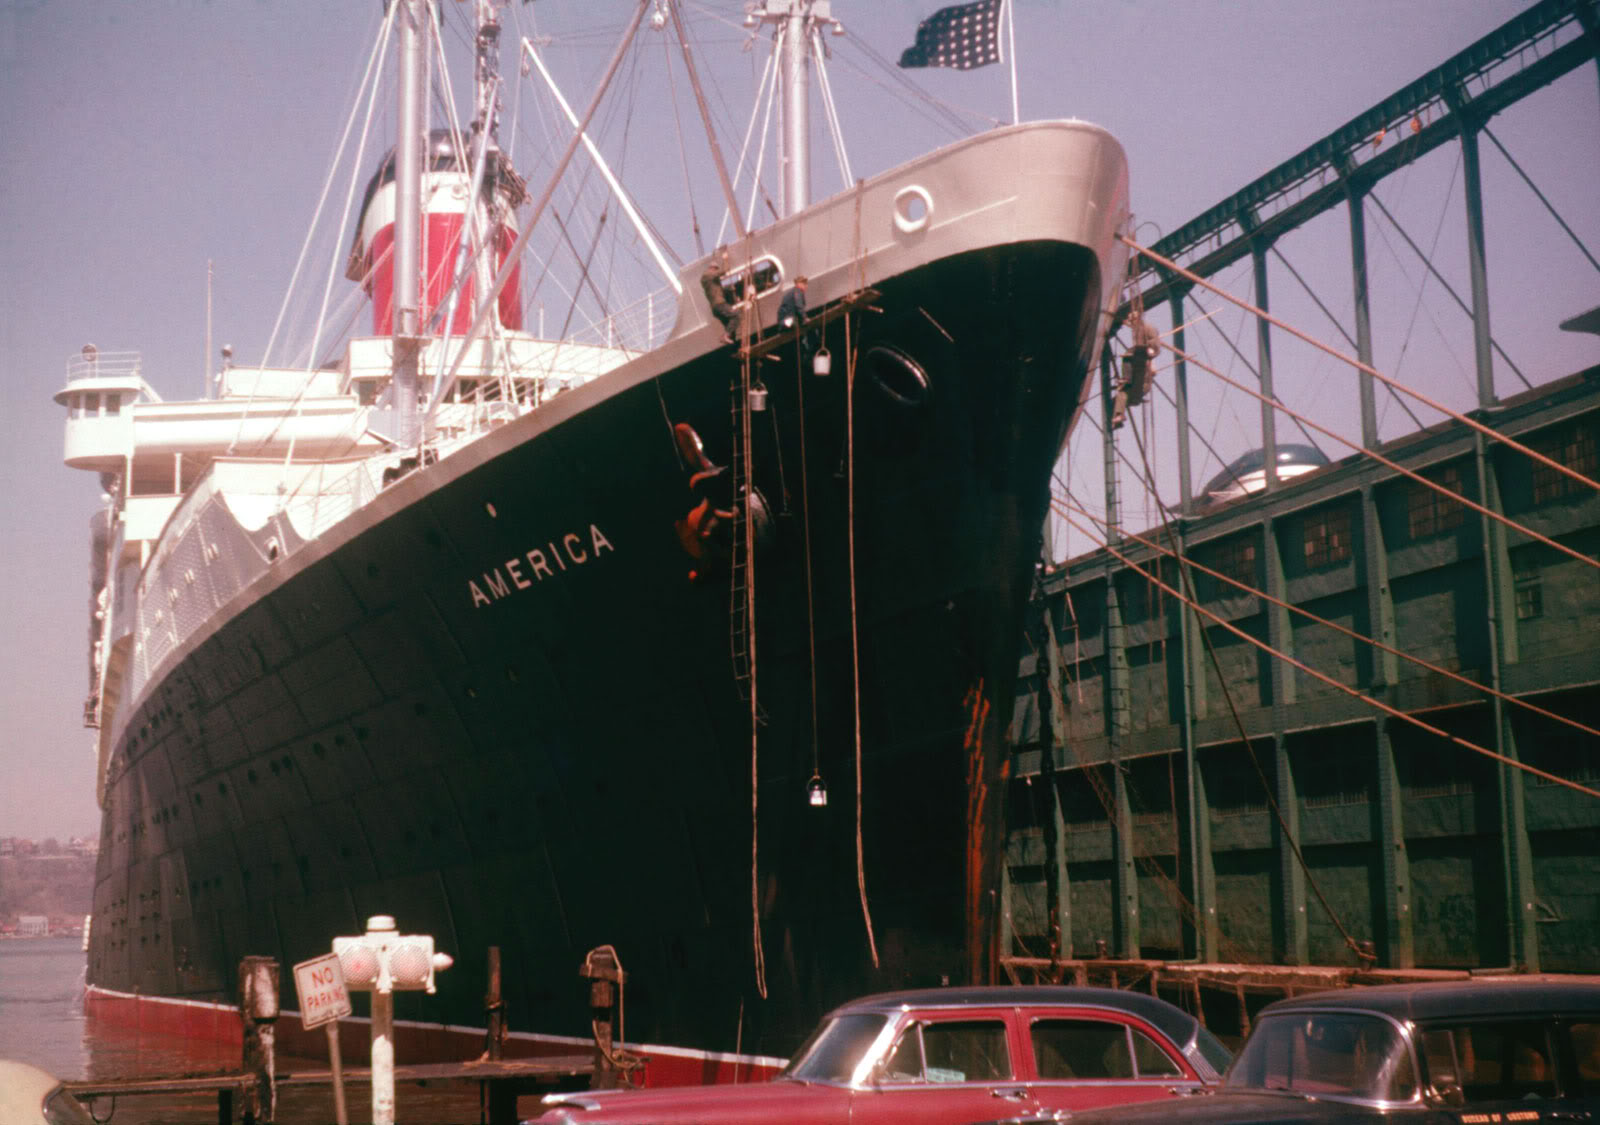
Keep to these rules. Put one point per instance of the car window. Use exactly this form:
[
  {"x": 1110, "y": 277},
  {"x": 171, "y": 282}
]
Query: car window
[
  {"x": 1212, "y": 1051},
  {"x": 1509, "y": 1060},
  {"x": 1081, "y": 1049},
  {"x": 904, "y": 1063},
  {"x": 1327, "y": 1053},
  {"x": 1150, "y": 1059},
  {"x": 950, "y": 1051},
  {"x": 836, "y": 1048},
  {"x": 1586, "y": 1049}
]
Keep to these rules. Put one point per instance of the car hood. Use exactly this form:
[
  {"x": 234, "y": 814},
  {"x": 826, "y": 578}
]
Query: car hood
[
  {"x": 1241, "y": 1107},
  {"x": 779, "y": 1100}
]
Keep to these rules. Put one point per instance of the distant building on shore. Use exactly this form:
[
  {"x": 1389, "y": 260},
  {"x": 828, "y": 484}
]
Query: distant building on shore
[{"x": 33, "y": 925}]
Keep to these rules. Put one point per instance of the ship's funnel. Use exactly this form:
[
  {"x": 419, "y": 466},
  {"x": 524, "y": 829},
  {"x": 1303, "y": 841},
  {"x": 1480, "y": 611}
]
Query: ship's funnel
[{"x": 446, "y": 183}]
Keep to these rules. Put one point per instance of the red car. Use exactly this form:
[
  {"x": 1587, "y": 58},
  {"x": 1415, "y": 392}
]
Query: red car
[{"x": 948, "y": 1056}]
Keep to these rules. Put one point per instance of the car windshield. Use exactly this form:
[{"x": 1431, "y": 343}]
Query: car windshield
[
  {"x": 1326, "y": 1053},
  {"x": 835, "y": 1049}
]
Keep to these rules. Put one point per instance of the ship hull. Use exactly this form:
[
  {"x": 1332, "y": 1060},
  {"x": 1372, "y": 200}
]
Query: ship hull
[{"x": 506, "y": 714}]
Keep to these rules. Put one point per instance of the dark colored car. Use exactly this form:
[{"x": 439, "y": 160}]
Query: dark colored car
[
  {"x": 948, "y": 1056},
  {"x": 1457, "y": 1052}
]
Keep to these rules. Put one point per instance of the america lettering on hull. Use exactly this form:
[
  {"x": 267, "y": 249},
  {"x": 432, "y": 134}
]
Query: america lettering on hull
[{"x": 533, "y": 566}]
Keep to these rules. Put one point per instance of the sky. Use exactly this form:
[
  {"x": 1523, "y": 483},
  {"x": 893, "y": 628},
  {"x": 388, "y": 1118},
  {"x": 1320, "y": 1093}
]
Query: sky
[{"x": 141, "y": 138}]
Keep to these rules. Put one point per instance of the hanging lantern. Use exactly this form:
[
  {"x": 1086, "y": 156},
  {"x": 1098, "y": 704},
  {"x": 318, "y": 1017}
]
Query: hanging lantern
[
  {"x": 822, "y": 363},
  {"x": 816, "y": 792},
  {"x": 758, "y": 397}
]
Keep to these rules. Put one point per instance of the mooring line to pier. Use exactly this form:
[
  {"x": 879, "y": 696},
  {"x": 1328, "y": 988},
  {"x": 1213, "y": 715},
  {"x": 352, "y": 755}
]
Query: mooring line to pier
[{"x": 1194, "y": 604}]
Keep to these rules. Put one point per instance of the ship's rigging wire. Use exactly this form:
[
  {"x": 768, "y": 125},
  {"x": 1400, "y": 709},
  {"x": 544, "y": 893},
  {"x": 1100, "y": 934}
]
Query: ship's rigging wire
[
  {"x": 761, "y": 97},
  {"x": 316, "y": 217},
  {"x": 1187, "y": 578},
  {"x": 1254, "y": 591},
  {"x": 1184, "y": 560},
  {"x": 1432, "y": 485},
  {"x": 683, "y": 152},
  {"x": 1093, "y": 774},
  {"x": 761, "y": 146},
  {"x": 820, "y": 53},
  {"x": 1554, "y": 214},
  {"x": 491, "y": 298},
  {"x": 1427, "y": 261},
  {"x": 1333, "y": 320},
  {"x": 1470, "y": 422},
  {"x": 1422, "y": 285},
  {"x": 947, "y": 110},
  {"x": 1254, "y": 370},
  {"x": 327, "y": 289},
  {"x": 705, "y": 119},
  {"x": 1354, "y": 693}
]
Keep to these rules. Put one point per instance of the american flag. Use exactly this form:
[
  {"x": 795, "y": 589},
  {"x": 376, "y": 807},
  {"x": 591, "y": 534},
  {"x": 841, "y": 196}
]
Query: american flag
[{"x": 961, "y": 36}]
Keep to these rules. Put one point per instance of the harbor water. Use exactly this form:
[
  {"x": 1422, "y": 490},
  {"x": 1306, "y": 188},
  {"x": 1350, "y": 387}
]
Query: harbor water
[{"x": 42, "y": 1022}]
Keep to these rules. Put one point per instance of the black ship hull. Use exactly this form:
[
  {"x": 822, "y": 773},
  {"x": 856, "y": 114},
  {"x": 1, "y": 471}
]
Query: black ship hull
[{"x": 506, "y": 715}]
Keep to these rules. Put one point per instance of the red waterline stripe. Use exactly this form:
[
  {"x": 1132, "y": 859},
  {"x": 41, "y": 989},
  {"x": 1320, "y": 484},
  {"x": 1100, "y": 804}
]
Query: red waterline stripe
[{"x": 414, "y": 1042}]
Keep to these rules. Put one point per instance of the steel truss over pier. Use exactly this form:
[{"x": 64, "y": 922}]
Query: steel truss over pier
[{"x": 1144, "y": 829}]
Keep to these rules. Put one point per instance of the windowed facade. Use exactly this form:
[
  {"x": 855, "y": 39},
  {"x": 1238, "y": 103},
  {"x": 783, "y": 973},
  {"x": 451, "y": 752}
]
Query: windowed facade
[
  {"x": 1236, "y": 559},
  {"x": 1327, "y": 537},
  {"x": 1573, "y": 446},
  {"x": 1529, "y": 588},
  {"x": 1429, "y": 512}
]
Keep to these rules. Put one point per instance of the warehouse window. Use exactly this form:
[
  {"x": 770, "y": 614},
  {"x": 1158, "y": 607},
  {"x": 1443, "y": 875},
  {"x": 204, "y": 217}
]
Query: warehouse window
[
  {"x": 1327, "y": 537},
  {"x": 1429, "y": 511},
  {"x": 1572, "y": 446},
  {"x": 1529, "y": 589},
  {"x": 1236, "y": 559}
]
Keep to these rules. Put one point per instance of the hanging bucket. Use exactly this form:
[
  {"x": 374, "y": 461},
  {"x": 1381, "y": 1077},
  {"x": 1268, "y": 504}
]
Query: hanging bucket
[
  {"x": 758, "y": 398},
  {"x": 822, "y": 363}
]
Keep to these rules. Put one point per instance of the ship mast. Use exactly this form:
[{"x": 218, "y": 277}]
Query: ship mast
[
  {"x": 797, "y": 22},
  {"x": 415, "y": 22}
]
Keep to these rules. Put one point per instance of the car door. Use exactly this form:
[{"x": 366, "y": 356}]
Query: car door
[
  {"x": 1084, "y": 1058},
  {"x": 946, "y": 1067}
]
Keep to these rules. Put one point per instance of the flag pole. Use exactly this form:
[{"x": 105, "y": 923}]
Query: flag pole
[{"x": 1011, "y": 49}]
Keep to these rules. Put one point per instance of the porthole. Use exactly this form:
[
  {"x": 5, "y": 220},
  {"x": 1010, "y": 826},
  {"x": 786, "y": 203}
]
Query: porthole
[
  {"x": 897, "y": 376},
  {"x": 913, "y": 207}
]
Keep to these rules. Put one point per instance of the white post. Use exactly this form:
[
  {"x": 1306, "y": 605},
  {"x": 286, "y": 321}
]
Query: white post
[
  {"x": 1010, "y": 10},
  {"x": 382, "y": 1056},
  {"x": 336, "y": 1063}
]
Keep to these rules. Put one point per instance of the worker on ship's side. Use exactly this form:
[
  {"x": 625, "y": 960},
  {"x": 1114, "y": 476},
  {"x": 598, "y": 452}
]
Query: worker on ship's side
[
  {"x": 792, "y": 309},
  {"x": 792, "y": 313},
  {"x": 711, "y": 282}
]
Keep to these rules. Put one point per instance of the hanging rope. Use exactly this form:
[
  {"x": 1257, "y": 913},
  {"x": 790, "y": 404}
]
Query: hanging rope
[
  {"x": 855, "y": 642},
  {"x": 746, "y": 487},
  {"x": 805, "y": 505},
  {"x": 850, "y": 526}
]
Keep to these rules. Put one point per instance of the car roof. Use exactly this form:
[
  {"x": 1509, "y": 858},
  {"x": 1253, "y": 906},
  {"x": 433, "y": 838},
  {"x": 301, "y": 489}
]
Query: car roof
[
  {"x": 1173, "y": 1022},
  {"x": 1458, "y": 999}
]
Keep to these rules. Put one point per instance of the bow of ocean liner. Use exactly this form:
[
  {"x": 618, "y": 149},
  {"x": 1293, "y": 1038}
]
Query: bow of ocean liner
[{"x": 538, "y": 643}]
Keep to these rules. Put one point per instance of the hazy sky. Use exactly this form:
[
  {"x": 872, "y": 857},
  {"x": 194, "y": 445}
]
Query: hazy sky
[{"x": 138, "y": 138}]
